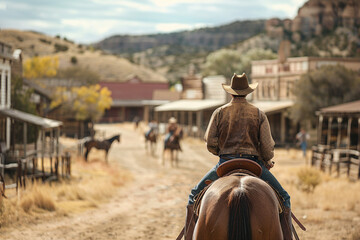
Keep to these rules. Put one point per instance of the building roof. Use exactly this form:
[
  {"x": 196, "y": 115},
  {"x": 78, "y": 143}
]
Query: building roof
[
  {"x": 272, "y": 106},
  {"x": 189, "y": 105},
  {"x": 137, "y": 103},
  {"x": 29, "y": 118},
  {"x": 133, "y": 90},
  {"x": 39, "y": 90},
  {"x": 350, "y": 107}
]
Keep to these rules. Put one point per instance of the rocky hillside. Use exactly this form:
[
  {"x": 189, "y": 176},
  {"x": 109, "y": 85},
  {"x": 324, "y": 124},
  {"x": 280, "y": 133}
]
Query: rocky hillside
[
  {"x": 321, "y": 28},
  {"x": 208, "y": 39},
  {"x": 109, "y": 67}
]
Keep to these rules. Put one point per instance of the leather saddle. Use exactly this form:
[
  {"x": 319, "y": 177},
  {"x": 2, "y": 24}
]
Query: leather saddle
[{"x": 241, "y": 165}]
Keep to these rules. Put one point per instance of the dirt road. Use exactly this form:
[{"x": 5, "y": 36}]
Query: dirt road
[{"x": 152, "y": 206}]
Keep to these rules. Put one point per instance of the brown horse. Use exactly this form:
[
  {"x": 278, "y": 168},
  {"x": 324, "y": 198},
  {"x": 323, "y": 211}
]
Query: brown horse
[
  {"x": 151, "y": 139},
  {"x": 238, "y": 207},
  {"x": 103, "y": 145},
  {"x": 173, "y": 145}
]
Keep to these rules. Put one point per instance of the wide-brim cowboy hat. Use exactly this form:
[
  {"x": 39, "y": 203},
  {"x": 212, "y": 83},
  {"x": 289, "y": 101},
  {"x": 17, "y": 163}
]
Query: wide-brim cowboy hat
[{"x": 239, "y": 85}]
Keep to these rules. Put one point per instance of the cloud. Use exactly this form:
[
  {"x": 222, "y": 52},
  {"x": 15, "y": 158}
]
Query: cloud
[
  {"x": 2, "y": 5},
  {"x": 168, "y": 3},
  {"x": 92, "y": 20},
  {"x": 173, "y": 27}
]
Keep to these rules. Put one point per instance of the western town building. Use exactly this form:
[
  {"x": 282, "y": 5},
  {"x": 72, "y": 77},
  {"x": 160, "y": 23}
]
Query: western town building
[
  {"x": 136, "y": 98},
  {"x": 24, "y": 148},
  {"x": 276, "y": 80}
]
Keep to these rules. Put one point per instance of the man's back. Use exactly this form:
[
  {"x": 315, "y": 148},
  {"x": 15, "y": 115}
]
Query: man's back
[{"x": 239, "y": 128}]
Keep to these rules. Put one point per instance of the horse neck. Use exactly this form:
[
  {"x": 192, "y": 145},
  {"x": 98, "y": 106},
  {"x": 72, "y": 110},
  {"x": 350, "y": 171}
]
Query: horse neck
[{"x": 112, "y": 139}]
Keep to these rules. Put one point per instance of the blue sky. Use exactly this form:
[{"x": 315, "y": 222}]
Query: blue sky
[{"x": 87, "y": 21}]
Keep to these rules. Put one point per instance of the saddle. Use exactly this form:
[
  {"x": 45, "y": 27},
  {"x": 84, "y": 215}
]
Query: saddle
[{"x": 238, "y": 167}]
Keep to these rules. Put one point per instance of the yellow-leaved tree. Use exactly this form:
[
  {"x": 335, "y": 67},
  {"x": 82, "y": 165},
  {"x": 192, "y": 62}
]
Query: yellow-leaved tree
[
  {"x": 40, "y": 67},
  {"x": 86, "y": 103}
]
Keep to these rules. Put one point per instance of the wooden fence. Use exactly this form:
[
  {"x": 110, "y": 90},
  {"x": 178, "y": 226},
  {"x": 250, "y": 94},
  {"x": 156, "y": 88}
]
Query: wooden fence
[
  {"x": 336, "y": 161},
  {"x": 28, "y": 168}
]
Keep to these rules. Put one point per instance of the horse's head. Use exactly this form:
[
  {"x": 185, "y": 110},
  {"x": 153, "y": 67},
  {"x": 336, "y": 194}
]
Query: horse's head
[{"x": 118, "y": 137}]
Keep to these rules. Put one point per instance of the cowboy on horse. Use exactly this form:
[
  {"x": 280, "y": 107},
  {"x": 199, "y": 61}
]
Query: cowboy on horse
[
  {"x": 240, "y": 130},
  {"x": 153, "y": 127},
  {"x": 172, "y": 130}
]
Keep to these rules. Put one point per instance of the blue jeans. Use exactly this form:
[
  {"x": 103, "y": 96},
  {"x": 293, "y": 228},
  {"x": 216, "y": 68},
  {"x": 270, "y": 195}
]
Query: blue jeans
[
  {"x": 303, "y": 146},
  {"x": 266, "y": 175}
]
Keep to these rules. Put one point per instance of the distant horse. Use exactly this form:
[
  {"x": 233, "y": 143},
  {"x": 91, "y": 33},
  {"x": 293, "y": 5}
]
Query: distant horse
[
  {"x": 151, "y": 139},
  {"x": 103, "y": 145},
  {"x": 173, "y": 145},
  {"x": 238, "y": 206}
]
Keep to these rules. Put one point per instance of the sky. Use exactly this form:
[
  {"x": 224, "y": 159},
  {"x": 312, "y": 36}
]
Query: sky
[{"x": 89, "y": 21}]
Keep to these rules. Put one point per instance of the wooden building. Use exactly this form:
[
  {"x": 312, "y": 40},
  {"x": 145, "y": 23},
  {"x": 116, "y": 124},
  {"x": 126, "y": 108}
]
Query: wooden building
[
  {"x": 25, "y": 152},
  {"x": 338, "y": 126},
  {"x": 338, "y": 141},
  {"x": 136, "y": 98},
  {"x": 192, "y": 113},
  {"x": 276, "y": 80}
]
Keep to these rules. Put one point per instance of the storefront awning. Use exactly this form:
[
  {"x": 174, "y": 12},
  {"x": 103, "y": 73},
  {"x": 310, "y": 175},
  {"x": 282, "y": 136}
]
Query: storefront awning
[
  {"x": 272, "y": 106},
  {"x": 190, "y": 105},
  {"x": 29, "y": 118}
]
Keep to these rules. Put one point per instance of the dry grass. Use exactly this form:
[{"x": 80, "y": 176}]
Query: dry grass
[{"x": 90, "y": 185}]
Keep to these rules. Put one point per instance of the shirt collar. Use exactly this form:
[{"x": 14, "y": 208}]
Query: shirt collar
[{"x": 238, "y": 100}]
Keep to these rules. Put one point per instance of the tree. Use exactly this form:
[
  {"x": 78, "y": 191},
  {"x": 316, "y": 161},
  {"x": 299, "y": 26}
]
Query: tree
[
  {"x": 327, "y": 86},
  {"x": 87, "y": 103},
  {"x": 20, "y": 100},
  {"x": 226, "y": 62},
  {"x": 223, "y": 62},
  {"x": 40, "y": 67}
]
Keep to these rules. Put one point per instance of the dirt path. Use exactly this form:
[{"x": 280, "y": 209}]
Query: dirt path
[{"x": 152, "y": 206}]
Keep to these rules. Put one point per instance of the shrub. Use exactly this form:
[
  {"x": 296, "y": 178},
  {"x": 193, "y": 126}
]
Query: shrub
[
  {"x": 60, "y": 47},
  {"x": 43, "y": 201},
  {"x": 309, "y": 178}
]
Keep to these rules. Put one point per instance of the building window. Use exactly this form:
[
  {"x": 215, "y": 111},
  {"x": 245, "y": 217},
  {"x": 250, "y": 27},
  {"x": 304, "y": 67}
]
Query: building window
[
  {"x": 305, "y": 66},
  {"x": 268, "y": 70}
]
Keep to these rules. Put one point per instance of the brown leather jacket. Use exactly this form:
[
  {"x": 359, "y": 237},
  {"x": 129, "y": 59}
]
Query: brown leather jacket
[{"x": 240, "y": 128}]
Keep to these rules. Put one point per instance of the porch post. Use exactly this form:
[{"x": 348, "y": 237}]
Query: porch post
[
  {"x": 321, "y": 118},
  {"x": 198, "y": 122},
  {"x": 25, "y": 138},
  {"x": 339, "y": 120},
  {"x": 348, "y": 133},
  {"x": 282, "y": 128},
  {"x": 190, "y": 121},
  {"x": 329, "y": 131}
]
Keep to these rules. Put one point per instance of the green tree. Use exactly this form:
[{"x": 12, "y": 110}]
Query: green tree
[
  {"x": 225, "y": 61},
  {"x": 20, "y": 100},
  {"x": 327, "y": 86}
]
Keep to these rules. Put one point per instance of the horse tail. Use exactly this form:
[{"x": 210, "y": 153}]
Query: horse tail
[{"x": 239, "y": 215}]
